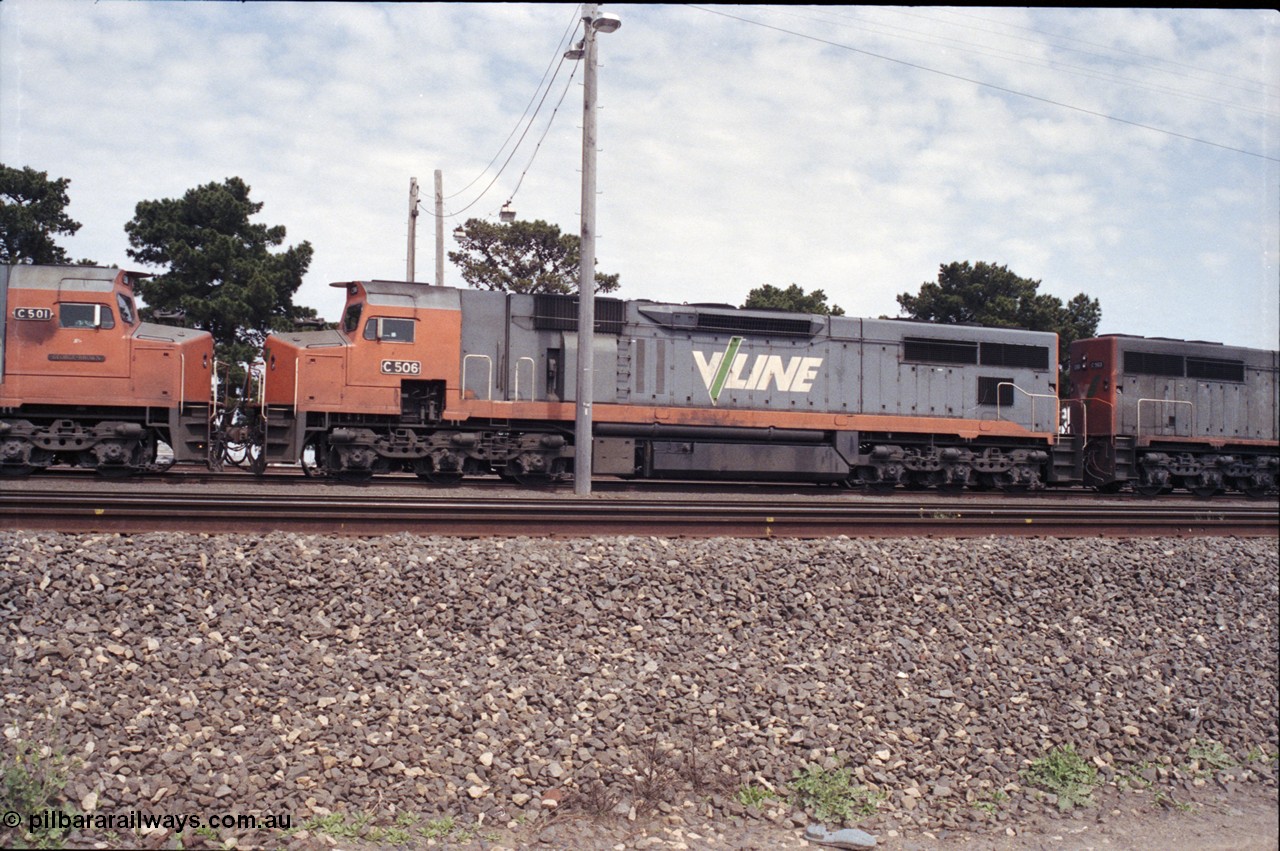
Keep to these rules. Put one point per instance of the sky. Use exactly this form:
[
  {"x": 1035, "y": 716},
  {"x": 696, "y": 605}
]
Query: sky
[{"x": 1129, "y": 154}]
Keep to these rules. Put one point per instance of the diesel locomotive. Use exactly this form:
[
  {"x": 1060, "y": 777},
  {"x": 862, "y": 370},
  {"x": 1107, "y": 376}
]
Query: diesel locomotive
[
  {"x": 448, "y": 383},
  {"x": 85, "y": 382}
]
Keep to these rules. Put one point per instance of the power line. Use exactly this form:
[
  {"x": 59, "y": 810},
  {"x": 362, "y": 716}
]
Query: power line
[
  {"x": 541, "y": 90},
  {"x": 987, "y": 85},
  {"x": 951, "y": 43}
]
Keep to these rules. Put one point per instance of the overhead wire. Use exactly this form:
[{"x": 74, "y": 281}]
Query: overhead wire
[
  {"x": 953, "y": 44},
  {"x": 1254, "y": 86},
  {"x": 539, "y": 96},
  {"x": 984, "y": 84}
]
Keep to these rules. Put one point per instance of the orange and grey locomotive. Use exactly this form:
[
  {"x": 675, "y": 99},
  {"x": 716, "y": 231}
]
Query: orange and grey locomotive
[
  {"x": 446, "y": 383},
  {"x": 84, "y": 381}
]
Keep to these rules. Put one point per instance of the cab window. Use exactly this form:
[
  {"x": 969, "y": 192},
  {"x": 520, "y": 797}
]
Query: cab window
[
  {"x": 351, "y": 321},
  {"x": 126, "y": 308},
  {"x": 389, "y": 330},
  {"x": 85, "y": 316}
]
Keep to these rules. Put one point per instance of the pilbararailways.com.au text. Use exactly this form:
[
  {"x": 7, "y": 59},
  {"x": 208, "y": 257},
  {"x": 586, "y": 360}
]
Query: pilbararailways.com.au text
[{"x": 137, "y": 820}]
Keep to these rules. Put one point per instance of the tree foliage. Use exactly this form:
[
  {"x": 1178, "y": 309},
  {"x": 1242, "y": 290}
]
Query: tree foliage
[
  {"x": 987, "y": 294},
  {"x": 32, "y": 210},
  {"x": 221, "y": 272},
  {"x": 793, "y": 300},
  {"x": 522, "y": 257}
]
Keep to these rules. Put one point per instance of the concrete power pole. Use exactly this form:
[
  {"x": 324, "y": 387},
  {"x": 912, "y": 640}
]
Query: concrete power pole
[
  {"x": 583, "y": 442},
  {"x": 413, "y": 225},
  {"x": 439, "y": 228}
]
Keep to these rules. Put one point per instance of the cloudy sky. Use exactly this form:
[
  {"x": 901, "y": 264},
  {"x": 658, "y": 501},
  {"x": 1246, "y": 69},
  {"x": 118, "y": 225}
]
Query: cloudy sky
[{"x": 1133, "y": 155}]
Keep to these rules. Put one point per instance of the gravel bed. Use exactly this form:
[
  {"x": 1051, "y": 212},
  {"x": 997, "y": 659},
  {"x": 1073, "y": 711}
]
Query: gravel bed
[{"x": 507, "y": 684}]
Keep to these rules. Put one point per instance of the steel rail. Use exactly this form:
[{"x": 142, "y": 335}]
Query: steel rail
[{"x": 101, "y": 510}]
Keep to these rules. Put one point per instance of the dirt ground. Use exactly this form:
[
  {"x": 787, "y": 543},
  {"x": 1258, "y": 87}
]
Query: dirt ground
[{"x": 1244, "y": 819}]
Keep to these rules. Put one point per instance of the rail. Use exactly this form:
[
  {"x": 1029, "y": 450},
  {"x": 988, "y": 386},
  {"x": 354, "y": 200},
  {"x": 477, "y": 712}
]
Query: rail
[{"x": 254, "y": 510}]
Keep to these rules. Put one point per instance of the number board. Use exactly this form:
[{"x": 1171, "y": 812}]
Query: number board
[
  {"x": 43, "y": 314},
  {"x": 401, "y": 367}
]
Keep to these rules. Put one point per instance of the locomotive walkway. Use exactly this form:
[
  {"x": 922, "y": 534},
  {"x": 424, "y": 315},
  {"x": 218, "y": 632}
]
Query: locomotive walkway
[{"x": 104, "y": 507}]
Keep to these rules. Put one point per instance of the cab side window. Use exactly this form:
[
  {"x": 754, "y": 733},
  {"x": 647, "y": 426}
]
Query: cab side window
[
  {"x": 351, "y": 321},
  {"x": 85, "y": 316},
  {"x": 389, "y": 330},
  {"x": 126, "y": 308}
]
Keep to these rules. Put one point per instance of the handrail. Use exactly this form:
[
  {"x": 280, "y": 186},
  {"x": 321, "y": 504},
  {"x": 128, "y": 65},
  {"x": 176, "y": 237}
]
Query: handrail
[
  {"x": 1032, "y": 397},
  {"x": 533, "y": 378},
  {"x": 1138, "y": 428},
  {"x": 462, "y": 391}
]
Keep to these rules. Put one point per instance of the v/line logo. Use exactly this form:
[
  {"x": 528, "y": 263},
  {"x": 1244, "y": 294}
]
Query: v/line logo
[{"x": 725, "y": 371}]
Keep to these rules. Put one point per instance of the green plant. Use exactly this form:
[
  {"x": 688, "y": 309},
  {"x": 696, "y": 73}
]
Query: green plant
[
  {"x": 33, "y": 781},
  {"x": 991, "y": 801},
  {"x": 831, "y": 796},
  {"x": 752, "y": 795},
  {"x": 210, "y": 834},
  {"x": 361, "y": 826},
  {"x": 1132, "y": 778},
  {"x": 1066, "y": 774},
  {"x": 1212, "y": 756},
  {"x": 439, "y": 828}
]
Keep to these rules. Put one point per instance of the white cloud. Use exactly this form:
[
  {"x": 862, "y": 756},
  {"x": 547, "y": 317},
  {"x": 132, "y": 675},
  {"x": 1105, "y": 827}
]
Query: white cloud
[{"x": 732, "y": 154}]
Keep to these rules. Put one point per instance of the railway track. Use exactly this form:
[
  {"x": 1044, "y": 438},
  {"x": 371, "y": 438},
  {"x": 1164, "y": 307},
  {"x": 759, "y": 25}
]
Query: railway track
[{"x": 98, "y": 508}]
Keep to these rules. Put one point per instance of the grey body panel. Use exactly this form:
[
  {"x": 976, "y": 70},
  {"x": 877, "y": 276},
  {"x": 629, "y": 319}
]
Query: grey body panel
[
  {"x": 672, "y": 356},
  {"x": 1213, "y": 407}
]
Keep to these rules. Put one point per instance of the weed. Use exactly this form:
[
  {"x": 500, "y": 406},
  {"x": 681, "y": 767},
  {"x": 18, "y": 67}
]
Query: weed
[
  {"x": 991, "y": 802},
  {"x": 593, "y": 798},
  {"x": 1212, "y": 756},
  {"x": 361, "y": 826},
  {"x": 210, "y": 834},
  {"x": 32, "y": 781},
  {"x": 1066, "y": 774},
  {"x": 831, "y": 796},
  {"x": 1161, "y": 798},
  {"x": 752, "y": 795},
  {"x": 1257, "y": 754}
]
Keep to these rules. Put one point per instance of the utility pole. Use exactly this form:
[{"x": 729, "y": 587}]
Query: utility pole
[
  {"x": 413, "y": 225},
  {"x": 584, "y": 444},
  {"x": 439, "y": 228}
]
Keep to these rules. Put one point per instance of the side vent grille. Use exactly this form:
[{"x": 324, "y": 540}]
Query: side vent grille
[
  {"x": 560, "y": 313},
  {"x": 925, "y": 350}
]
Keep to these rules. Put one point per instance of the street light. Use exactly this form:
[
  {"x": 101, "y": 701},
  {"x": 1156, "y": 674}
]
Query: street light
[{"x": 593, "y": 22}]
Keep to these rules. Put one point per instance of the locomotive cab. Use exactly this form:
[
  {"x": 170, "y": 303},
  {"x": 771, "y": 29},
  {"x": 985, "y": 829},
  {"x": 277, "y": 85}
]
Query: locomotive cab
[{"x": 392, "y": 359}]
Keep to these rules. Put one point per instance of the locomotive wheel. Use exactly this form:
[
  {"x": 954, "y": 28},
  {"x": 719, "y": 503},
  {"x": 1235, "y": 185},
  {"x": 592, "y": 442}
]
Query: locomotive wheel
[
  {"x": 1204, "y": 491},
  {"x": 426, "y": 469},
  {"x": 1148, "y": 488},
  {"x": 351, "y": 477},
  {"x": 440, "y": 477}
]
